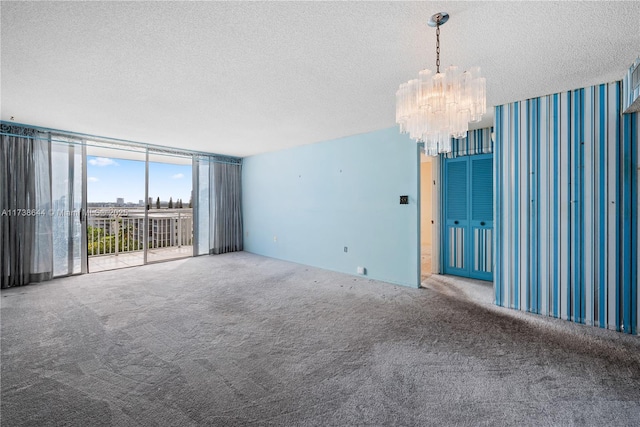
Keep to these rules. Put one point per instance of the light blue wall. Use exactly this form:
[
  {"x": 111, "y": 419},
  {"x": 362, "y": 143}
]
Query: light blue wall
[{"x": 316, "y": 199}]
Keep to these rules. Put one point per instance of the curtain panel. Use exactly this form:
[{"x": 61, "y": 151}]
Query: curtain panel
[
  {"x": 25, "y": 203},
  {"x": 226, "y": 194}
]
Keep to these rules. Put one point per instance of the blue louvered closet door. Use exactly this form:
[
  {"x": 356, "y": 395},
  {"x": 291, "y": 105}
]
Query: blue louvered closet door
[{"x": 468, "y": 216}]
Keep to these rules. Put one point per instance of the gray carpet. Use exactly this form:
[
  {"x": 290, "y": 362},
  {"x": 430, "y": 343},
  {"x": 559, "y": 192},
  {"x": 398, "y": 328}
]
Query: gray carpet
[{"x": 239, "y": 339}]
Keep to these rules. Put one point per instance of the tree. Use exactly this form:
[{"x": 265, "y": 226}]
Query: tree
[
  {"x": 180, "y": 204},
  {"x": 101, "y": 242},
  {"x": 170, "y": 202},
  {"x": 158, "y": 203},
  {"x": 191, "y": 201}
]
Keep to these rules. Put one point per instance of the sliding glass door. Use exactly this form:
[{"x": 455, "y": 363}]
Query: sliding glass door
[
  {"x": 170, "y": 211},
  {"x": 116, "y": 206},
  {"x": 108, "y": 204},
  {"x": 139, "y": 206}
]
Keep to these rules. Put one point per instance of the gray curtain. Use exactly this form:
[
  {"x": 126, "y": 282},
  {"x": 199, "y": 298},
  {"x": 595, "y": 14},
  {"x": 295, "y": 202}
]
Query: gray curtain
[
  {"x": 25, "y": 219},
  {"x": 226, "y": 190}
]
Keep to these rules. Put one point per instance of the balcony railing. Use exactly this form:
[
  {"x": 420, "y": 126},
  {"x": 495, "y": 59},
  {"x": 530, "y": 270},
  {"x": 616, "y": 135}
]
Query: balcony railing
[{"x": 110, "y": 234}]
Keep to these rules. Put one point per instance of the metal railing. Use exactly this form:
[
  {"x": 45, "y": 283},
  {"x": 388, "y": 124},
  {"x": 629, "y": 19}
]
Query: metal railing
[{"x": 124, "y": 233}]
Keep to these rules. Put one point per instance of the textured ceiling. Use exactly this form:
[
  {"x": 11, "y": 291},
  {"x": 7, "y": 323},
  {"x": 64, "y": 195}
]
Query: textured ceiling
[{"x": 245, "y": 78}]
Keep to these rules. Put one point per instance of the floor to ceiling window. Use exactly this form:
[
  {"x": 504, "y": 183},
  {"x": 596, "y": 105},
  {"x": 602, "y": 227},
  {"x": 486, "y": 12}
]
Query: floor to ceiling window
[{"x": 105, "y": 203}]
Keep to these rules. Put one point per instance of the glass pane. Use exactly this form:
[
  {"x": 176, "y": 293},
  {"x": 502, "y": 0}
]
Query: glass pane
[
  {"x": 61, "y": 207},
  {"x": 76, "y": 194},
  {"x": 115, "y": 207},
  {"x": 171, "y": 216},
  {"x": 203, "y": 208}
]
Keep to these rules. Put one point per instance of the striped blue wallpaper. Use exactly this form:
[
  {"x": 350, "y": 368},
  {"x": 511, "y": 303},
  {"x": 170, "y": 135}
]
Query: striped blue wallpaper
[
  {"x": 634, "y": 143},
  {"x": 566, "y": 207},
  {"x": 483, "y": 250},
  {"x": 478, "y": 141}
]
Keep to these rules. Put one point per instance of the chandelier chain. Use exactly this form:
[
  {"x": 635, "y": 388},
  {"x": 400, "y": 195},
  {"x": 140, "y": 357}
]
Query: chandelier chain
[{"x": 438, "y": 48}]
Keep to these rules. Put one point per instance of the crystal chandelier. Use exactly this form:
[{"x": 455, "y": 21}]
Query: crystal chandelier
[{"x": 437, "y": 107}]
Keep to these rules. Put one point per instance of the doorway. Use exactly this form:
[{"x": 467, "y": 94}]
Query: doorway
[{"x": 427, "y": 217}]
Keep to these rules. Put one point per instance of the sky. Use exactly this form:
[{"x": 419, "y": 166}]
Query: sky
[{"x": 111, "y": 178}]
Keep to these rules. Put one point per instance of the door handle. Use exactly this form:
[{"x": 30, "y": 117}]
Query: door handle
[
  {"x": 455, "y": 222},
  {"x": 482, "y": 223}
]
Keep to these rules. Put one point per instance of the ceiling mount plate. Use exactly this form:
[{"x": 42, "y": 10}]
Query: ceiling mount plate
[{"x": 438, "y": 19}]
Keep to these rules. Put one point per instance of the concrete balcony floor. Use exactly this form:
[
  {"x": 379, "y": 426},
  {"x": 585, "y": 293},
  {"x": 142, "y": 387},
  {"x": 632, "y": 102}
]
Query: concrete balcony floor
[{"x": 130, "y": 259}]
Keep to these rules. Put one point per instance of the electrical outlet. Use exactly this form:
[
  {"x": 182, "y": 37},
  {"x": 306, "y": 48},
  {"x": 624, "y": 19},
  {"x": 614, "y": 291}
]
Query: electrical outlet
[
  {"x": 346, "y": 249},
  {"x": 362, "y": 270},
  {"x": 404, "y": 200}
]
